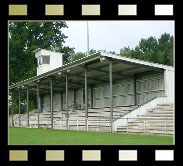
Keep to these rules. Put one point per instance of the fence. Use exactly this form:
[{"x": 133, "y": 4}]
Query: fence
[
  {"x": 147, "y": 125},
  {"x": 98, "y": 124},
  {"x": 139, "y": 125},
  {"x": 141, "y": 110}
]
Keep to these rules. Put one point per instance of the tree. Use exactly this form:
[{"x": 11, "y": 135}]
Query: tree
[
  {"x": 147, "y": 48},
  {"x": 165, "y": 49},
  {"x": 25, "y": 37},
  {"x": 126, "y": 51},
  {"x": 92, "y": 51},
  {"x": 78, "y": 55},
  {"x": 68, "y": 53},
  {"x": 152, "y": 50}
]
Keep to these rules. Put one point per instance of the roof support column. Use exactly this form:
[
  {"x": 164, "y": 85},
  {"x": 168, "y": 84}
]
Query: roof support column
[
  {"x": 12, "y": 120},
  {"x": 61, "y": 101},
  {"x": 19, "y": 107},
  {"x": 111, "y": 93},
  {"x": 67, "y": 107},
  {"x": 51, "y": 102},
  {"x": 27, "y": 106},
  {"x": 74, "y": 99},
  {"x": 91, "y": 97},
  {"x": 38, "y": 125},
  {"x": 41, "y": 103},
  {"x": 61, "y": 104},
  {"x": 86, "y": 98},
  {"x": 135, "y": 90}
]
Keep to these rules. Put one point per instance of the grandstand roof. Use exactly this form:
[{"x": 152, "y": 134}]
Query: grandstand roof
[{"x": 98, "y": 72}]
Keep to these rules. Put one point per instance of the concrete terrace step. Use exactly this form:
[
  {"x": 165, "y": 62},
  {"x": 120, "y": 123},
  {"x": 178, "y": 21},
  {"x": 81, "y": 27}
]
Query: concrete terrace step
[
  {"x": 148, "y": 128},
  {"x": 83, "y": 121},
  {"x": 164, "y": 105},
  {"x": 40, "y": 122},
  {"x": 153, "y": 120},
  {"x": 156, "y": 115},
  {"x": 158, "y": 132},
  {"x": 95, "y": 113},
  {"x": 159, "y": 120},
  {"x": 137, "y": 128},
  {"x": 148, "y": 132},
  {"x": 151, "y": 124},
  {"x": 161, "y": 111}
]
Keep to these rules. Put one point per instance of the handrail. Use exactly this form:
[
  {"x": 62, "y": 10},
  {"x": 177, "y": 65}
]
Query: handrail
[
  {"x": 145, "y": 128},
  {"x": 165, "y": 117},
  {"x": 114, "y": 106},
  {"x": 84, "y": 118}
]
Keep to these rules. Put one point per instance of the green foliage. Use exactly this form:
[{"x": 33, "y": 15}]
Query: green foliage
[
  {"x": 92, "y": 51},
  {"x": 152, "y": 50},
  {"x": 24, "y": 38},
  {"x": 126, "y": 51},
  {"x": 68, "y": 52},
  {"x": 112, "y": 52},
  {"x": 78, "y": 55},
  {"x": 32, "y": 103}
]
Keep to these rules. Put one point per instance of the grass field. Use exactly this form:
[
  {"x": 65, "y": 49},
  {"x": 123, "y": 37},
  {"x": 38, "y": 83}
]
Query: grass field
[{"x": 33, "y": 136}]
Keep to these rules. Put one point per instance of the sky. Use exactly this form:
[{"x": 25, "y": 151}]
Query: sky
[{"x": 113, "y": 35}]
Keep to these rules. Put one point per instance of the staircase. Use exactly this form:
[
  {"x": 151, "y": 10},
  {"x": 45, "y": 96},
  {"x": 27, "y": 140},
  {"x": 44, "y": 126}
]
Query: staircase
[{"x": 158, "y": 121}]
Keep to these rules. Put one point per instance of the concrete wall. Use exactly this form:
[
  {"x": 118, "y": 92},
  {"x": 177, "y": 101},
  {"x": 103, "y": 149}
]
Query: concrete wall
[
  {"x": 55, "y": 61},
  {"x": 170, "y": 84},
  {"x": 147, "y": 87},
  {"x": 123, "y": 94},
  {"x": 70, "y": 99},
  {"x": 150, "y": 86}
]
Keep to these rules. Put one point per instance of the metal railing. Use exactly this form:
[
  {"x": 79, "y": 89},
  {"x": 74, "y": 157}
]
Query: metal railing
[
  {"x": 144, "y": 125},
  {"x": 98, "y": 124},
  {"x": 148, "y": 125}
]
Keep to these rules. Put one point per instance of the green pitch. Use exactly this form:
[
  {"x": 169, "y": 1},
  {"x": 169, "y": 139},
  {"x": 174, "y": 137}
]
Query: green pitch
[{"x": 33, "y": 136}]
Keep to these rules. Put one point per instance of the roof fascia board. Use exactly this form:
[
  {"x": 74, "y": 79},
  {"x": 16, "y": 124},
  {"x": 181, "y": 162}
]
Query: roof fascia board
[
  {"x": 137, "y": 62},
  {"x": 60, "y": 69}
]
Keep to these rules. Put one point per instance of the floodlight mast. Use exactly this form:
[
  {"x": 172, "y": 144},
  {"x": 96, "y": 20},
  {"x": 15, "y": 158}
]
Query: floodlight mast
[{"x": 87, "y": 39}]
